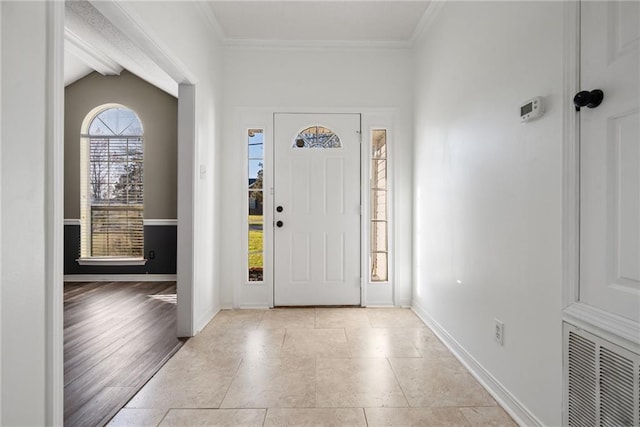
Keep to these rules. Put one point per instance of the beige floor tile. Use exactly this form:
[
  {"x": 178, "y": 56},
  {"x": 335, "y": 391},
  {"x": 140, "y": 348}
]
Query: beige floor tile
[
  {"x": 233, "y": 343},
  {"x": 195, "y": 381},
  {"x": 350, "y": 383},
  {"x": 215, "y": 417},
  {"x": 418, "y": 417},
  {"x": 422, "y": 339},
  {"x": 277, "y": 417},
  {"x": 439, "y": 382},
  {"x": 261, "y": 363},
  {"x": 381, "y": 342},
  {"x": 282, "y": 318},
  {"x": 394, "y": 318},
  {"x": 236, "y": 319},
  {"x": 493, "y": 416},
  {"x": 428, "y": 344},
  {"x": 316, "y": 343},
  {"x": 273, "y": 383},
  {"x": 131, "y": 417},
  {"x": 328, "y": 318}
]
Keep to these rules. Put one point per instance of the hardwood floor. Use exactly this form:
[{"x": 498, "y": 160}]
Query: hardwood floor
[{"x": 116, "y": 336}]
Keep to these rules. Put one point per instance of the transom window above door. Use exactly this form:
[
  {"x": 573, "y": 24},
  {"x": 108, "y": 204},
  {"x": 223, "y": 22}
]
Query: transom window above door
[{"x": 317, "y": 137}]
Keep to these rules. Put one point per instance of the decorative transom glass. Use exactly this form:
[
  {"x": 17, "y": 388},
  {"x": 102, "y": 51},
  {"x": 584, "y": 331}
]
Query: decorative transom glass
[
  {"x": 317, "y": 137},
  {"x": 116, "y": 121}
]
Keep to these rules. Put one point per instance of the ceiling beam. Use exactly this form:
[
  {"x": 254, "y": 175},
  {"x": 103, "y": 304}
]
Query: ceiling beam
[{"x": 90, "y": 55}]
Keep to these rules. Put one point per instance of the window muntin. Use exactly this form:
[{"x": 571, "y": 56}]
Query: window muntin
[
  {"x": 255, "y": 223},
  {"x": 116, "y": 121},
  {"x": 379, "y": 239},
  {"x": 112, "y": 208},
  {"x": 317, "y": 137}
]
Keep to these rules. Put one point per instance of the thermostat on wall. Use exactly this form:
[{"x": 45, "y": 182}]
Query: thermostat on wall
[{"x": 531, "y": 109}]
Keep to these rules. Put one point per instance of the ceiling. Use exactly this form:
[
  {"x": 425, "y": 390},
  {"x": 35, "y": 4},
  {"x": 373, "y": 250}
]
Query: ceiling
[
  {"x": 92, "y": 43},
  {"x": 322, "y": 21}
]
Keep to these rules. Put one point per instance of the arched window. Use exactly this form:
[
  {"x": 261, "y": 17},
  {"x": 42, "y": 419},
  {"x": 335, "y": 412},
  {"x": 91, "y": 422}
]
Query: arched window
[
  {"x": 111, "y": 184},
  {"x": 317, "y": 137}
]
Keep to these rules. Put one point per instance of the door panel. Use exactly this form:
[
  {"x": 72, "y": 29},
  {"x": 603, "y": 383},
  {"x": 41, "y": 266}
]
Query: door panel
[
  {"x": 317, "y": 248},
  {"x": 610, "y": 159}
]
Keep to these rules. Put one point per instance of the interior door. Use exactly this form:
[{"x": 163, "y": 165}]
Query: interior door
[
  {"x": 610, "y": 158},
  {"x": 317, "y": 209}
]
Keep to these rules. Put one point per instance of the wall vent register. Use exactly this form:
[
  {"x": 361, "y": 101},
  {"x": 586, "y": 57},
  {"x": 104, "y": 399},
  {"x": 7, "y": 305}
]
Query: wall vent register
[{"x": 601, "y": 381}]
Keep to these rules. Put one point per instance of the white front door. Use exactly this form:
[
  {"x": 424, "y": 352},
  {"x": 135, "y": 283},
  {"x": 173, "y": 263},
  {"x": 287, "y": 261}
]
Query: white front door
[
  {"x": 317, "y": 209},
  {"x": 610, "y": 158}
]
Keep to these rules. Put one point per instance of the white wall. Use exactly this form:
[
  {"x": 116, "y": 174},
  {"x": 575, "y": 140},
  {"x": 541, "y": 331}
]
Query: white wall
[
  {"x": 191, "y": 53},
  {"x": 313, "y": 80},
  {"x": 23, "y": 217},
  {"x": 0, "y": 214},
  {"x": 488, "y": 191}
]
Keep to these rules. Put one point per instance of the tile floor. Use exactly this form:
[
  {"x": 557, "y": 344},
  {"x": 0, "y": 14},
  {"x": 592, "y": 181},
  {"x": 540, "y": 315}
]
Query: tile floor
[{"x": 322, "y": 366}]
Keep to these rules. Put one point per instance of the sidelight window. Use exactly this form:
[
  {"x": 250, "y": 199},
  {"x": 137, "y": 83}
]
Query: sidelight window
[
  {"x": 379, "y": 205},
  {"x": 255, "y": 231}
]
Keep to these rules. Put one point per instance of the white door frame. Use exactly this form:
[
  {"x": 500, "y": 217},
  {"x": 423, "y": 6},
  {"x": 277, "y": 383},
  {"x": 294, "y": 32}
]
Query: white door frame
[
  {"x": 246, "y": 295},
  {"x": 571, "y": 157},
  {"x": 124, "y": 18},
  {"x": 54, "y": 227},
  {"x": 54, "y": 158}
]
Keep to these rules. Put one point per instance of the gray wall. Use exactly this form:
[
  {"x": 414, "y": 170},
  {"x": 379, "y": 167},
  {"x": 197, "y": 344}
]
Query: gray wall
[{"x": 158, "y": 112}]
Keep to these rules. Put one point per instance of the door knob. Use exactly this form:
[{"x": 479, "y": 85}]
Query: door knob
[
  {"x": 279, "y": 224},
  {"x": 589, "y": 99}
]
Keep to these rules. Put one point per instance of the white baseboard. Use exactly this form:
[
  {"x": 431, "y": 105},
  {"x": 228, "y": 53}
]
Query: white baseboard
[
  {"x": 120, "y": 278},
  {"x": 205, "y": 319},
  {"x": 509, "y": 403},
  {"x": 405, "y": 303}
]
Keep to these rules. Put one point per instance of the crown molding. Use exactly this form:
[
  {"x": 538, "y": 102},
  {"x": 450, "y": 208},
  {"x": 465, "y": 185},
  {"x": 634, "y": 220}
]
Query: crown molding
[
  {"x": 90, "y": 55},
  {"x": 211, "y": 19},
  {"x": 227, "y": 42},
  {"x": 429, "y": 16},
  {"x": 314, "y": 44}
]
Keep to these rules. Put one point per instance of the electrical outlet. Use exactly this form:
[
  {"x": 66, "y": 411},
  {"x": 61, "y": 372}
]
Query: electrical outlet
[
  {"x": 498, "y": 331},
  {"x": 152, "y": 254}
]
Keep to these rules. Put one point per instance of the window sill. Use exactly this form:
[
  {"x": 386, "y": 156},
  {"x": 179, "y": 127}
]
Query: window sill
[{"x": 111, "y": 261}]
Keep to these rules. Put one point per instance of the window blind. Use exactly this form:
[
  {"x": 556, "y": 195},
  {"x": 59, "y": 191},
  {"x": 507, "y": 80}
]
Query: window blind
[{"x": 116, "y": 193}]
